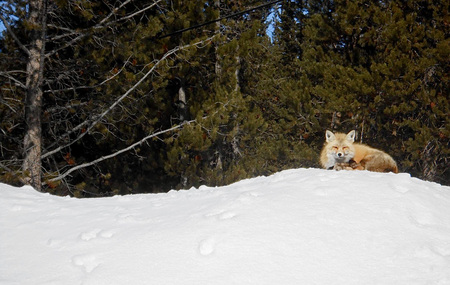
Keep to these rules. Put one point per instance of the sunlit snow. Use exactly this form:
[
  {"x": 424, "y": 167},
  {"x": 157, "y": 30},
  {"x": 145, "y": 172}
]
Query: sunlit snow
[{"x": 300, "y": 226}]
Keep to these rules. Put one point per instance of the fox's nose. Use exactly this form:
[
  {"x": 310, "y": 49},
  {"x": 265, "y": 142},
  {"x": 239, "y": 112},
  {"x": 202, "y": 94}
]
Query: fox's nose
[{"x": 339, "y": 154}]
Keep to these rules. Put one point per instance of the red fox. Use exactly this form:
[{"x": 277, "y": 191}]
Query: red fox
[{"x": 340, "y": 152}]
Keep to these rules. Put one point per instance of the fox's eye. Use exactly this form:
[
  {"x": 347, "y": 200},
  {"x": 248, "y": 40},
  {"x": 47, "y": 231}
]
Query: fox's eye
[
  {"x": 335, "y": 148},
  {"x": 345, "y": 148}
]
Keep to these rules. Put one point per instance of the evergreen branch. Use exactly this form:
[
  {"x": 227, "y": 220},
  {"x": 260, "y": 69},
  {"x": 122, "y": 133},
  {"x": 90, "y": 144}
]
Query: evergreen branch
[
  {"x": 113, "y": 12},
  {"x": 7, "y": 169},
  {"x": 81, "y": 125},
  {"x": 66, "y": 45},
  {"x": 220, "y": 19},
  {"x": 137, "y": 13},
  {"x": 16, "y": 39},
  {"x": 58, "y": 37},
  {"x": 84, "y": 165},
  {"x": 126, "y": 94},
  {"x": 94, "y": 86},
  {"x": 103, "y": 24}
]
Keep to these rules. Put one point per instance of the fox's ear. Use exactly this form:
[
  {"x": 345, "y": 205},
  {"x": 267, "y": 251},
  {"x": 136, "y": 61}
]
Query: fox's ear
[
  {"x": 329, "y": 136},
  {"x": 351, "y": 136}
]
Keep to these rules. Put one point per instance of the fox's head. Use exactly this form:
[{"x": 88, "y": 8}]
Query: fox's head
[{"x": 340, "y": 146}]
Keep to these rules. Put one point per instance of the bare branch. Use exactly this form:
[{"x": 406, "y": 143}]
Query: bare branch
[
  {"x": 58, "y": 108},
  {"x": 103, "y": 24},
  {"x": 94, "y": 86},
  {"x": 17, "y": 82},
  {"x": 17, "y": 102},
  {"x": 10, "y": 31},
  {"x": 65, "y": 45},
  {"x": 137, "y": 12},
  {"x": 58, "y": 37},
  {"x": 113, "y": 12},
  {"x": 84, "y": 165},
  {"x": 121, "y": 98}
]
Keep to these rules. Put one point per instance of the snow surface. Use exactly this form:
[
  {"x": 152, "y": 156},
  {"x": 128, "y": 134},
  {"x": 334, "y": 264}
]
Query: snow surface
[{"x": 301, "y": 226}]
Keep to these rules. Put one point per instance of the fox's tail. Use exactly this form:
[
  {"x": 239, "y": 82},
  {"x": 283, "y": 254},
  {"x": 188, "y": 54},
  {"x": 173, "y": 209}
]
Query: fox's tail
[
  {"x": 395, "y": 170},
  {"x": 379, "y": 162}
]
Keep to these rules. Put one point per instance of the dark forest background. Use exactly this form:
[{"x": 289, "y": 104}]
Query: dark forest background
[{"x": 131, "y": 106}]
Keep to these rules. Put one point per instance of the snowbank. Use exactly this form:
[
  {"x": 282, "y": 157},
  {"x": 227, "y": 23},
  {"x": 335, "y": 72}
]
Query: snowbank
[{"x": 302, "y": 226}]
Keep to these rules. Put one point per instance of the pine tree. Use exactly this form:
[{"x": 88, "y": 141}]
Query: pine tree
[
  {"x": 379, "y": 68},
  {"x": 215, "y": 151},
  {"x": 238, "y": 103},
  {"x": 96, "y": 100}
]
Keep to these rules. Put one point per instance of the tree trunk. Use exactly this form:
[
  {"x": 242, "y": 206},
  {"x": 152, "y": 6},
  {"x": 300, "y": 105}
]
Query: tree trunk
[{"x": 33, "y": 101}]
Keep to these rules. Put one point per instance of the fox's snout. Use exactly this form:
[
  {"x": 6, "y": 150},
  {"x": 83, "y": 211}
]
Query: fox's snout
[{"x": 340, "y": 152}]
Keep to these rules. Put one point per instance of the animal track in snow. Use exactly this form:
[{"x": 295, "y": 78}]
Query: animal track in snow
[
  {"x": 247, "y": 197},
  {"x": 87, "y": 262},
  {"x": 422, "y": 218},
  {"x": 130, "y": 218},
  {"x": 90, "y": 235},
  {"x": 96, "y": 233},
  {"x": 106, "y": 234},
  {"x": 322, "y": 191},
  {"x": 55, "y": 243},
  {"x": 227, "y": 215},
  {"x": 222, "y": 215},
  {"x": 206, "y": 246},
  {"x": 401, "y": 189}
]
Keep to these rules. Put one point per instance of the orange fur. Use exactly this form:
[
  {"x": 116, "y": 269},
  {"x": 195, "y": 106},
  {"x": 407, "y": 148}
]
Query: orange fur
[{"x": 340, "y": 152}]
